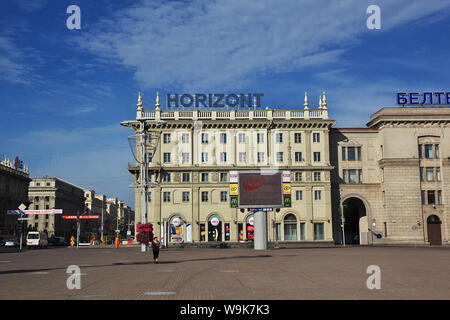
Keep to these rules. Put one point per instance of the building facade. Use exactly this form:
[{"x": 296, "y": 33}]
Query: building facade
[
  {"x": 192, "y": 152},
  {"x": 53, "y": 193},
  {"x": 13, "y": 192},
  {"x": 393, "y": 177}
]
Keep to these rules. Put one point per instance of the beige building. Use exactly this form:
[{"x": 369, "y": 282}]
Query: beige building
[
  {"x": 53, "y": 193},
  {"x": 192, "y": 153},
  {"x": 13, "y": 192},
  {"x": 393, "y": 177}
]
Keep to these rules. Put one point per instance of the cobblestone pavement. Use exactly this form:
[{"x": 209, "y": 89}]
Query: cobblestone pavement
[{"x": 206, "y": 273}]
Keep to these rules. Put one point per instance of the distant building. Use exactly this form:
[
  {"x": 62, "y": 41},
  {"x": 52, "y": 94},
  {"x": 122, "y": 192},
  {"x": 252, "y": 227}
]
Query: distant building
[
  {"x": 53, "y": 193},
  {"x": 13, "y": 192}
]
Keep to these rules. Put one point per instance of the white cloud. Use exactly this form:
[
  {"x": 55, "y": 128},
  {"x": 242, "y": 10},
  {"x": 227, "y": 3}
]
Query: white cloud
[{"x": 198, "y": 45}]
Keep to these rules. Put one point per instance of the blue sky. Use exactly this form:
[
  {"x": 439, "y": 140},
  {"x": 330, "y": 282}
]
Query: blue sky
[{"x": 64, "y": 92}]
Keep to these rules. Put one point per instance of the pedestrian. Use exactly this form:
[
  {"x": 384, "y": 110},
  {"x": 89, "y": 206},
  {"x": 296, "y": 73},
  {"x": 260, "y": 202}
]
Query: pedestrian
[{"x": 155, "y": 248}]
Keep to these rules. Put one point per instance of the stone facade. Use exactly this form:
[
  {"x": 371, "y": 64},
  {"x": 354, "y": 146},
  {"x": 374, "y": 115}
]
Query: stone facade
[{"x": 13, "y": 192}]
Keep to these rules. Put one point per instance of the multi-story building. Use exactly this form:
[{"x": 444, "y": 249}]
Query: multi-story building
[
  {"x": 393, "y": 177},
  {"x": 13, "y": 192},
  {"x": 112, "y": 211},
  {"x": 53, "y": 193},
  {"x": 191, "y": 154}
]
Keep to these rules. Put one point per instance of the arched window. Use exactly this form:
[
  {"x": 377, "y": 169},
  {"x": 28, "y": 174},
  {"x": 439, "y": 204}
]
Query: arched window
[
  {"x": 290, "y": 227},
  {"x": 433, "y": 219}
]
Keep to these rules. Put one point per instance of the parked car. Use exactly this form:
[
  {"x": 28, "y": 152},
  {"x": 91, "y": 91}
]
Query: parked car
[
  {"x": 2, "y": 243},
  {"x": 37, "y": 239},
  {"x": 56, "y": 241},
  {"x": 11, "y": 243}
]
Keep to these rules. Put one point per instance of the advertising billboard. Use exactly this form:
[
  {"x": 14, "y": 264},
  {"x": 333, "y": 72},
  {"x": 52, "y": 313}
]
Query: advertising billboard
[{"x": 258, "y": 190}]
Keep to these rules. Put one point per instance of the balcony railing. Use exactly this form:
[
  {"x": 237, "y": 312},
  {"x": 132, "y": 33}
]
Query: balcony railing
[{"x": 305, "y": 114}]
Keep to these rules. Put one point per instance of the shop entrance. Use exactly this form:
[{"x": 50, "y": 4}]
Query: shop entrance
[
  {"x": 214, "y": 228},
  {"x": 354, "y": 210},
  {"x": 434, "y": 230}
]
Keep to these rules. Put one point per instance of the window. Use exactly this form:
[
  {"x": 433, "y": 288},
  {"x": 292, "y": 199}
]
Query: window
[
  {"x": 166, "y": 196},
  {"x": 185, "y": 138},
  {"x": 204, "y": 138},
  {"x": 344, "y": 151},
  {"x": 36, "y": 207},
  {"x": 290, "y": 227},
  {"x": 166, "y": 137},
  {"x": 316, "y": 176},
  {"x": 352, "y": 176},
  {"x": 317, "y": 195},
  {"x": 38, "y": 184},
  {"x": 47, "y": 199},
  {"x": 279, "y": 156},
  {"x": 223, "y": 157},
  {"x": 223, "y": 196},
  {"x": 431, "y": 197},
  {"x": 351, "y": 155},
  {"x": 358, "y": 150},
  {"x": 302, "y": 231},
  {"x": 436, "y": 149},
  {"x": 241, "y": 137},
  {"x": 430, "y": 174},
  {"x": 166, "y": 177},
  {"x": 223, "y": 177},
  {"x": 422, "y": 194},
  {"x": 279, "y": 137},
  {"x": 186, "y": 177},
  {"x": 298, "y": 176},
  {"x": 204, "y": 196},
  {"x": 186, "y": 196},
  {"x": 260, "y": 156},
  {"x": 316, "y": 137},
  {"x": 46, "y": 217},
  {"x": 166, "y": 157},
  {"x": 185, "y": 157},
  {"x": 242, "y": 156},
  {"x": 421, "y": 174},
  {"x": 299, "y": 195},
  {"x": 318, "y": 231},
  {"x": 47, "y": 207},
  {"x": 48, "y": 184},
  {"x": 205, "y": 177},
  {"x": 428, "y": 151},
  {"x": 260, "y": 138},
  {"x": 316, "y": 156},
  {"x": 204, "y": 157},
  {"x": 439, "y": 195},
  {"x": 420, "y": 151},
  {"x": 149, "y": 157},
  {"x": 223, "y": 138},
  {"x": 149, "y": 197},
  {"x": 438, "y": 174},
  {"x": 344, "y": 175},
  {"x": 298, "y": 157},
  {"x": 360, "y": 176},
  {"x": 297, "y": 137}
]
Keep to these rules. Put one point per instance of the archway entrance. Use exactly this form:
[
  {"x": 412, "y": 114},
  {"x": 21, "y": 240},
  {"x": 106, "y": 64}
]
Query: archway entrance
[
  {"x": 354, "y": 210},
  {"x": 214, "y": 228},
  {"x": 434, "y": 230}
]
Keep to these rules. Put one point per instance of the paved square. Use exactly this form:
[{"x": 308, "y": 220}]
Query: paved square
[{"x": 206, "y": 273}]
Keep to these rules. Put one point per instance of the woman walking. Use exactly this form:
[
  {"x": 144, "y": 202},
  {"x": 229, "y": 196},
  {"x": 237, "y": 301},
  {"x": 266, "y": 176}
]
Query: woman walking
[{"x": 155, "y": 247}]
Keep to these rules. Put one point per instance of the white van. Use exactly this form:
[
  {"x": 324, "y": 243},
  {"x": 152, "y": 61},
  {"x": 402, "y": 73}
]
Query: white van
[{"x": 37, "y": 239}]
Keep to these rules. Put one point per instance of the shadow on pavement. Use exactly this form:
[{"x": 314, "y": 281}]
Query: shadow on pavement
[{"x": 134, "y": 263}]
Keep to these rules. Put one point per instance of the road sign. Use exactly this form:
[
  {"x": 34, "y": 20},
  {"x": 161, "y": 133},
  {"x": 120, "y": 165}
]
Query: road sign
[
  {"x": 22, "y": 207},
  {"x": 234, "y": 189},
  {"x": 286, "y": 188}
]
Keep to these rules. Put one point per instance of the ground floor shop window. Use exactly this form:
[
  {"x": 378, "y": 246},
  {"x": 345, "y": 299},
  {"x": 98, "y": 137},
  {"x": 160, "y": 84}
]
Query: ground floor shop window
[
  {"x": 176, "y": 229},
  {"x": 250, "y": 228},
  {"x": 318, "y": 231},
  {"x": 290, "y": 227},
  {"x": 202, "y": 232},
  {"x": 302, "y": 231},
  {"x": 227, "y": 232},
  {"x": 214, "y": 228},
  {"x": 240, "y": 232}
]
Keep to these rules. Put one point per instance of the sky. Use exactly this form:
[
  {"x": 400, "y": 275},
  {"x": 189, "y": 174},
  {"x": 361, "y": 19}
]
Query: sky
[{"x": 64, "y": 92}]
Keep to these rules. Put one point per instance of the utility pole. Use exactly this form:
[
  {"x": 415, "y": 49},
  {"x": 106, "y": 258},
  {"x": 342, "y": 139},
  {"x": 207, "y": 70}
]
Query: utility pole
[
  {"x": 102, "y": 230},
  {"x": 143, "y": 177}
]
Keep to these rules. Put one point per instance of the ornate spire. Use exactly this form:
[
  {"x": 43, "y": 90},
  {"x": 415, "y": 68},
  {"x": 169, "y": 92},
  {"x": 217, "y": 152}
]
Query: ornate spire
[
  {"x": 139, "y": 101},
  {"x": 157, "y": 101},
  {"x": 324, "y": 103},
  {"x": 320, "y": 102},
  {"x": 306, "y": 100}
]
